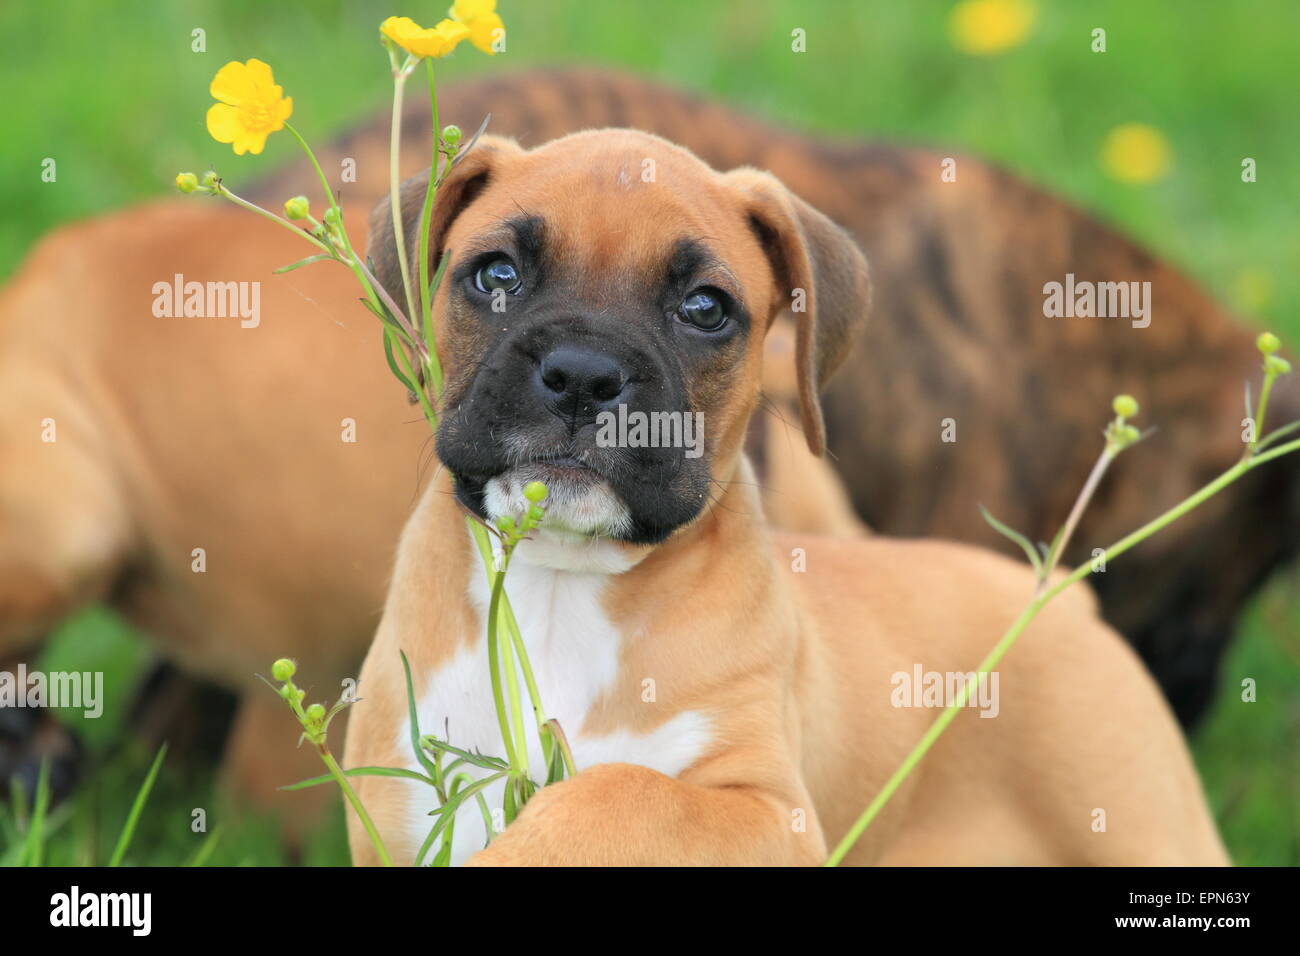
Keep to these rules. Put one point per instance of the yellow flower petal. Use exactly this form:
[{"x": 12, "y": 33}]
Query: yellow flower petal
[
  {"x": 1135, "y": 153},
  {"x": 233, "y": 84},
  {"x": 253, "y": 142},
  {"x": 447, "y": 34},
  {"x": 466, "y": 11},
  {"x": 483, "y": 32},
  {"x": 984, "y": 27},
  {"x": 401, "y": 30},
  {"x": 259, "y": 74},
  {"x": 223, "y": 123}
]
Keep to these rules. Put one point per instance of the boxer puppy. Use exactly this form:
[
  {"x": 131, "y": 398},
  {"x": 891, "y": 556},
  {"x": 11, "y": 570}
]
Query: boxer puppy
[
  {"x": 174, "y": 434},
  {"x": 576, "y": 288}
]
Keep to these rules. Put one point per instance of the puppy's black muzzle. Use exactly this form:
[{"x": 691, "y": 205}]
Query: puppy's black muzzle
[{"x": 547, "y": 390}]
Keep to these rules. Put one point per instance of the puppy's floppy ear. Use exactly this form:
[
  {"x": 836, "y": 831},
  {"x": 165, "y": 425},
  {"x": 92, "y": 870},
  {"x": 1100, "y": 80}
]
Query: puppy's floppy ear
[
  {"x": 821, "y": 275},
  {"x": 462, "y": 184}
]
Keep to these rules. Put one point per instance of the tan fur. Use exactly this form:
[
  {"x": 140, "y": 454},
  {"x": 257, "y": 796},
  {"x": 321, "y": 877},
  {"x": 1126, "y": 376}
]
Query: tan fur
[
  {"x": 793, "y": 667},
  {"x": 252, "y": 470}
]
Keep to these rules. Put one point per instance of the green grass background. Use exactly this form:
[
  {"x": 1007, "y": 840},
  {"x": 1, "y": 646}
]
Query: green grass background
[{"x": 113, "y": 92}]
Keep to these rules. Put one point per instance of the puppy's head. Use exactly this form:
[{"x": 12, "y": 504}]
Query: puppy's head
[{"x": 601, "y": 322}]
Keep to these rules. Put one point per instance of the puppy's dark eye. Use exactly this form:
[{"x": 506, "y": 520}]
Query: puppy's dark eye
[
  {"x": 498, "y": 274},
  {"x": 703, "y": 309}
]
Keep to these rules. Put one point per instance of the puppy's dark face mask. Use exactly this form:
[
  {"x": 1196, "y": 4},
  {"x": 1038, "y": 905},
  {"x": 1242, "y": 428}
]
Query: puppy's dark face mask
[{"x": 600, "y": 324}]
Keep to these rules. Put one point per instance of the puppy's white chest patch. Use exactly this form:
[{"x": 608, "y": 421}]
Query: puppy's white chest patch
[{"x": 574, "y": 649}]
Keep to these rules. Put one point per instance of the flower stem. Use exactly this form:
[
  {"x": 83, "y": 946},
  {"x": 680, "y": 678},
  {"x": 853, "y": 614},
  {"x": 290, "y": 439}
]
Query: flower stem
[
  {"x": 245, "y": 204},
  {"x": 1080, "y": 504},
  {"x": 395, "y": 183},
  {"x": 325, "y": 183},
  {"x": 337, "y": 773},
  {"x": 494, "y": 663},
  {"x": 1269, "y": 378},
  {"x": 426, "y": 215},
  {"x": 481, "y": 538}
]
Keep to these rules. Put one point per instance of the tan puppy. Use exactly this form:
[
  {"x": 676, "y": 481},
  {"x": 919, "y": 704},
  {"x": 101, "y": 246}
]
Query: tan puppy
[
  {"x": 183, "y": 433},
  {"x": 725, "y": 705}
]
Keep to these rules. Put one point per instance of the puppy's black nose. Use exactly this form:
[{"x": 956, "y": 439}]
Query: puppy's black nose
[{"x": 578, "y": 383}]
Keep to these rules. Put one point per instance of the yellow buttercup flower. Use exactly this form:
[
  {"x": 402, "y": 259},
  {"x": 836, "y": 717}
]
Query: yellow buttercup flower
[
  {"x": 1135, "y": 153},
  {"x": 432, "y": 41},
  {"x": 481, "y": 17},
  {"x": 985, "y": 27},
  {"x": 252, "y": 107}
]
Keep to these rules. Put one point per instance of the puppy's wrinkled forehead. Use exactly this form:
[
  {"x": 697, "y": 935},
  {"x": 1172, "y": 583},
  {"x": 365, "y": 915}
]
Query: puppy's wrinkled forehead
[{"x": 617, "y": 209}]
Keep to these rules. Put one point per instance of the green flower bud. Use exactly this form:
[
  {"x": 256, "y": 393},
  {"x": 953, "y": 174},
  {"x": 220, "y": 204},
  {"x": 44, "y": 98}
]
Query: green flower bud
[
  {"x": 331, "y": 216},
  {"x": 187, "y": 182},
  {"x": 535, "y": 491},
  {"x": 1125, "y": 406},
  {"x": 210, "y": 179},
  {"x": 1276, "y": 365},
  {"x": 536, "y": 513},
  {"x": 506, "y": 523},
  {"x": 1129, "y": 435},
  {"x": 297, "y": 208},
  {"x": 451, "y": 135},
  {"x": 1268, "y": 343},
  {"x": 283, "y": 669},
  {"x": 316, "y": 713}
]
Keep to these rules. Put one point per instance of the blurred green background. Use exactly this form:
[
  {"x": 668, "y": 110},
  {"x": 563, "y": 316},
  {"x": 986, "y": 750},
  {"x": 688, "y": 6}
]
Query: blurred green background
[{"x": 114, "y": 93}]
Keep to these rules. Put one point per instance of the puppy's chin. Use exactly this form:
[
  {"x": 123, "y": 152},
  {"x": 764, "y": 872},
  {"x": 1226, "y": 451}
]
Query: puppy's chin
[
  {"x": 579, "y": 503},
  {"x": 584, "y": 521}
]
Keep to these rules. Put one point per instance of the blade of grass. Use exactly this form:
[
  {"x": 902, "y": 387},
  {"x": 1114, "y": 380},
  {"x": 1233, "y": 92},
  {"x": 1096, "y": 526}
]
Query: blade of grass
[
  {"x": 206, "y": 849},
  {"x": 137, "y": 808},
  {"x": 34, "y": 844}
]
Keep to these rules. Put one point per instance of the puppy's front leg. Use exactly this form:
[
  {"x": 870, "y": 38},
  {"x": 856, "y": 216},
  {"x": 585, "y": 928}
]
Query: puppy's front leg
[{"x": 625, "y": 815}]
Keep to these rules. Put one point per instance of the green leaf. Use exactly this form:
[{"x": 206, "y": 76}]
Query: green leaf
[
  {"x": 414, "y": 719},
  {"x": 360, "y": 772},
  {"x": 302, "y": 262},
  {"x": 392, "y": 361},
  {"x": 447, "y": 812},
  {"x": 444, "y": 855},
  {"x": 433, "y": 291},
  {"x": 128, "y": 831},
  {"x": 486, "y": 814},
  {"x": 382, "y": 313},
  {"x": 1017, "y": 537},
  {"x": 477, "y": 759}
]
